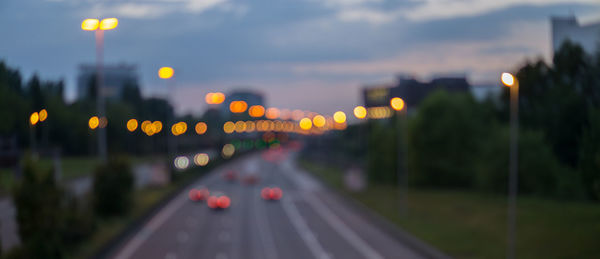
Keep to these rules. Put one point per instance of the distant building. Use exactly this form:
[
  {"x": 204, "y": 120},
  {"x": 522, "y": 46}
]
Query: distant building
[
  {"x": 377, "y": 98},
  {"x": 563, "y": 28},
  {"x": 250, "y": 97},
  {"x": 115, "y": 77}
]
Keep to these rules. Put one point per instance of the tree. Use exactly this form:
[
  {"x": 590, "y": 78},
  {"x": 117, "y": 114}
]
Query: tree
[
  {"x": 112, "y": 188},
  {"x": 38, "y": 202},
  {"x": 590, "y": 158}
]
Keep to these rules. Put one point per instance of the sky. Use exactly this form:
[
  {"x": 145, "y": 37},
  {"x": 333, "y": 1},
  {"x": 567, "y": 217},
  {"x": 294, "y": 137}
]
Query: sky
[{"x": 301, "y": 54}]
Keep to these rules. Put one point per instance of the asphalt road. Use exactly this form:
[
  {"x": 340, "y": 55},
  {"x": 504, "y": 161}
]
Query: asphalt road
[{"x": 307, "y": 222}]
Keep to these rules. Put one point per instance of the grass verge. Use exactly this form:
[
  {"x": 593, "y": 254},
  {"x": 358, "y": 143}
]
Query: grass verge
[{"x": 466, "y": 224}]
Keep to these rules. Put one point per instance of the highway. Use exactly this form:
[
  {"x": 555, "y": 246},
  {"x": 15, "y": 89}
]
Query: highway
[{"x": 308, "y": 222}]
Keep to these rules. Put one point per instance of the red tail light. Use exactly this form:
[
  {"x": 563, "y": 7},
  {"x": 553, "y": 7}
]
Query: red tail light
[
  {"x": 223, "y": 202},
  {"x": 212, "y": 202},
  {"x": 276, "y": 193},
  {"x": 193, "y": 194}
]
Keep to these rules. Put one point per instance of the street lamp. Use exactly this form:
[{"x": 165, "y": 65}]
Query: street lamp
[
  {"x": 399, "y": 106},
  {"x": 167, "y": 73},
  {"x": 511, "y": 81},
  {"x": 99, "y": 27}
]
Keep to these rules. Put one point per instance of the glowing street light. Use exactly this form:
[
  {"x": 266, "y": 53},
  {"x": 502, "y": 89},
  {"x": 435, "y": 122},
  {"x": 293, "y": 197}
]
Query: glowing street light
[
  {"x": 305, "y": 124},
  {"x": 399, "y": 106},
  {"x": 34, "y": 118},
  {"x": 397, "y": 103},
  {"x": 94, "y": 122},
  {"x": 319, "y": 121},
  {"x": 201, "y": 128},
  {"x": 165, "y": 72},
  {"x": 99, "y": 26},
  {"x": 256, "y": 111},
  {"x": 214, "y": 98},
  {"x": 238, "y": 106},
  {"x": 511, "y": 81},
  {"x": 360, "y": 112},
  {"x": 132, "y": 124},
  {"x": 339, "y": 117},
  {"x": 43, "y": 115}
]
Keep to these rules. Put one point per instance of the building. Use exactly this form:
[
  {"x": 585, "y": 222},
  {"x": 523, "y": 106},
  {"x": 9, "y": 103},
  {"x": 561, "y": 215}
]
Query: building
[
  {"x": 248, "y": 96},
  {"x": 115, "y": 77},
  {"x": 377, "y": 98},
  {"x": 563, "y": 28}
]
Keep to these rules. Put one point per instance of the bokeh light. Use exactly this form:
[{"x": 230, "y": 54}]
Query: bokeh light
[
  {"x": 157, "y": 126},
  {"x": 228, "y": 127},
  {"x": 132, "y": 125},
  {"x": 508, "y": 79},
  {"x": 93, "y": 122},
  {"x": 90, "y": 24},
  {"x": 319, "y": 121},
  {"x": 397, "y": 103},
  {"x": 272, "y": 113},
  {"x": 201, "y": 128},
  {"x": 103, "y": 122},
  {"x": 238, "y": 106},
  {"x": 201, "y": 159},
  {"x": 228, "y": 150},
  {"x": 34, "y": 118},
  {"x": 181, "y": 162},
  {"x": 166, "y": 72},
  {"x": 108, "y": 24},
  {"x": 256, "y": 111},
  {"x": 43, "y": 115},
  {"x": 214, "y": 98},
  {"x": 305, "y": 124},
  {"x": 339, "y": 117},
  {"x": 360, "y": 112}
]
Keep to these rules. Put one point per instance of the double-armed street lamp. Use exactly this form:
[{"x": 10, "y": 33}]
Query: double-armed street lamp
[
  {"x": 99, "y": 26},
  {"x": 511, "y": 81}
]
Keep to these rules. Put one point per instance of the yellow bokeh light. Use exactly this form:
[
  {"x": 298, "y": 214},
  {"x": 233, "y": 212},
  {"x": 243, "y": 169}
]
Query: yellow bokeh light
[
  {"x": 34, "y": 118},
  {"x": 108, "y": 24},
  {"x": 305, "y": 124},
  {"x": 360, "y": 112},
  {"x": 94, "y": 122},
  {"x": 144, "y": 125},
  {"x": 157, "y": 126},
  {"x": 256, "y": 111},
  {"x": 214, "y": 98},
  {"x": 166, "y": 72},
  {"x": 238, "y": 106},
  {"x": 132, "y": 125},
  {"x": 397, "y": 103},
  {"x": 229, "y": 127},
  {"x": 319, "y": 121},
  {"x": 43, "y": 115},
  {"x": 228, "y": 150},
  {"x": 339, "y": 117},
  {"x": 508, "y": 79},
  {"x": 272, "y": 113},
  {"x": 201, "y": 159},
  {"x": 250, "y": 126},
  {"x": 201, "y": 128},
  {"x": 90, "y": 24},
  {"x": 240, "y": 126}
]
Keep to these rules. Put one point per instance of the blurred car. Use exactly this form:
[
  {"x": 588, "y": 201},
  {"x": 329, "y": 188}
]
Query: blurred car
[
  {"x": 271, "y": 193},
  {"x": 250, "y": 178},
  {"x": 198, "y": 194},
  {"x": 218, "y": 201},
  {"x": 230, "y": 175}
]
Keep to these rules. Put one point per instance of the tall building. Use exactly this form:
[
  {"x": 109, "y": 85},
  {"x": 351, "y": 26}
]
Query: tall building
[
  {"x": 563, "y": 28},
  {"x": 115, "y": 77}
]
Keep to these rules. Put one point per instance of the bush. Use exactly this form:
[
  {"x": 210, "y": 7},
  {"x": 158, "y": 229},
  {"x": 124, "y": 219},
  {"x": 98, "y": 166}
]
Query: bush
[
  {"x": 112, "y": 188},
  {"x": 78, "y": 223},
  {"x": 38, "y": 202}
]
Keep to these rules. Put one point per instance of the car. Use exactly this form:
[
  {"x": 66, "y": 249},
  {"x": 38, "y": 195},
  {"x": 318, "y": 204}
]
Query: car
[
  {"x": 198, "y": 194},
  {"x": 271, "y": 193},
  {"x": 230, "y": 175},
  {"x": 218, "y": 201}
]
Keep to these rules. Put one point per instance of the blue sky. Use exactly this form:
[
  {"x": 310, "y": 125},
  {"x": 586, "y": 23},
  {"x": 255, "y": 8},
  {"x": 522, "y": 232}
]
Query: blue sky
[{"x": 306, "y": 54}]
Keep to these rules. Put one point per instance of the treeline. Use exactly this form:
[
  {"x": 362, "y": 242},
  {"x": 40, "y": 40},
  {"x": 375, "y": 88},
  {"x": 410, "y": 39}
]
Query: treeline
[
  {"x": 453, "y": 141},
  {"x": 66, "y": 126}
]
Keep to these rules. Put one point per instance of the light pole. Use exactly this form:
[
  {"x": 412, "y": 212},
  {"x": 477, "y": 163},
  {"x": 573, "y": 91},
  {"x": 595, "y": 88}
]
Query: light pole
[
  {"x": 399, "y": 106},
  {"x": 99, "y": 27},
  {"x": 511, "y": 81},
  {"x": 167, "y": 73}
]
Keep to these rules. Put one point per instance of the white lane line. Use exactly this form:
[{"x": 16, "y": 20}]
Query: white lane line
[
  {"x": 342, "y": 229},
  {"x": 156, "y": 221},
  {"x": 263, "y": 227},
  {"x": 300, "y": 225}
]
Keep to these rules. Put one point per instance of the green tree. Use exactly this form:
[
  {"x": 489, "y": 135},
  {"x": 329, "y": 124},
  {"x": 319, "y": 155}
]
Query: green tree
[
  {"x": 37, "y": 199},
  {"x": 113, "y": 188},
  {"x": 590, "y": 158}
]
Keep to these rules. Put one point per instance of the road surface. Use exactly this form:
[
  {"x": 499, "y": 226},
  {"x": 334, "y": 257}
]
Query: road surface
[{"x": 307, "y": 223}]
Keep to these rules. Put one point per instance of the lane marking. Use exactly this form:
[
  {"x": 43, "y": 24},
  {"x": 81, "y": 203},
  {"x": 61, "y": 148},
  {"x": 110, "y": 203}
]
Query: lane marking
[
  {"x": 343, "y": 230},
  {"x": 263, "y": 227},
  {"x": 302, "y": 228}
]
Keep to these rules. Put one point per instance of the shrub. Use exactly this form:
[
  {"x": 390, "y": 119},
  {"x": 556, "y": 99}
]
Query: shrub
[{"x": 112, "y": 188}]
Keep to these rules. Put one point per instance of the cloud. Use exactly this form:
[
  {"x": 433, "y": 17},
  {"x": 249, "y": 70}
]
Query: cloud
[
  {"x": 446, "y": 9},
  {"x": 158, "y": 8}
]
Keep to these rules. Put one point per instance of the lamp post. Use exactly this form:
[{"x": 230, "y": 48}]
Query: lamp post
[
  {"x": 167, "y": 73},
  {"x": 399, "y": 106},
  {"x": 99, "y": 27},
  {"x": 511, "y": 81}
]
